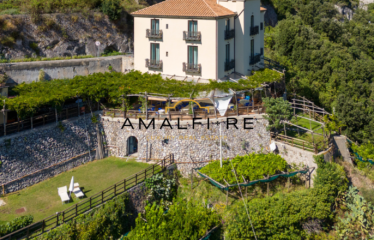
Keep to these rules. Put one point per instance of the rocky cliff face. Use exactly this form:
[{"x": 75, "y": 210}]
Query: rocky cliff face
[
  {"x": 271, "y": 17},
  {"x": 56, "y": 35}
]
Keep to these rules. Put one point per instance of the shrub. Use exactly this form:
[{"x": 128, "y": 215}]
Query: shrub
[
  {"x": 358, "y": 222},
  {"x": 282, "y": 216},
  {"x": 16, "y": 224},
  {"x": 183, "y": 220},
  {"x": 252, "y": 167},
  {"x": 41, "y": 77},
  {"x": 331, "y": 175},
  {"x": 74, "y": 18},
  {"x": 8, "y": 41},
  {"x": 161, "y": 188},
  {"x": 34, "y": 46},
  {"x": 105, "y": 222},
  {"x": 111, "y": 8}
]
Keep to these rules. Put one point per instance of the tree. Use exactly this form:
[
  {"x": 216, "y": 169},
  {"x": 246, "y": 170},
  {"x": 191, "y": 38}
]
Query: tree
[
  {"x": 332, "y": 124},
  {"x": 277, "y": 110}
]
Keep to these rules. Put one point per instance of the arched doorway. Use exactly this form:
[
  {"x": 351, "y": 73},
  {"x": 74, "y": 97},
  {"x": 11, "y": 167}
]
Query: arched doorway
[{"x": 132, "y": 145}]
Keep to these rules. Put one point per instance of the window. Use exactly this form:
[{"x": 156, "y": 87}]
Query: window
[
  {"x": 155, "y": 26},
  {"x": 167, "y": 54},
  {"x": 155, "y": 52},
  {"x": 192, "y": 56},
  {"x": 167, "y": 26},
  {"x": 227, "y": 52},
  {"x": 252, "y": 48},
  {"x": 261, "y": 26},
  {"x": 227, "y": 24},
  {"x": 252, "y": 21},
  {"x": 262, "y": 51}
]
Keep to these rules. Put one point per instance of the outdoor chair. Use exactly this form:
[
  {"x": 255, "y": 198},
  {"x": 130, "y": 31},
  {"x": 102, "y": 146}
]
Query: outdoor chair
[
  {"x": 63, "y": 193},
  {"x": 77, "y": 191}
]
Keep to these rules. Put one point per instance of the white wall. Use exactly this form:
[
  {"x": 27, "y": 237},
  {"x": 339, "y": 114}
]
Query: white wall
[
  {"x": 242, "y": 31},
  {"x": 173, "y": 43},
  {"x": 222, "y": 46}
]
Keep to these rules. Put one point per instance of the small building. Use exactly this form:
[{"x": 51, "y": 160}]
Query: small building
[{"x": 203, "y": 39}]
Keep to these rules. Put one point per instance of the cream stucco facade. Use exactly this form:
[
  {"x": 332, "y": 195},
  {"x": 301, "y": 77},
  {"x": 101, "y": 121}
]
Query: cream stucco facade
[{"x": 213, "y": 53}]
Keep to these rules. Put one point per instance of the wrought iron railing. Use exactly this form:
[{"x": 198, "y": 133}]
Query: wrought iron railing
[
  {"x": 153, "y": 33},
  {"x": 192, "y": 68},
  {"x": 153, "y": 63},
  {"x": 254, "y": 59},
  {"x": 229, "y": 34},
  {"x": 254, "y": 30},
  {"x": 191, "y": 36},
  {"x": 229, "y": 65}
]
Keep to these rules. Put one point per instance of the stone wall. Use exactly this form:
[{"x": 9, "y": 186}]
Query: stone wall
[
  {"x": 29, "y": 71},
  {"x": 192, "y": 148},
  {"x": 297, "y": 156},
  {"x": 34, "y": 150}
]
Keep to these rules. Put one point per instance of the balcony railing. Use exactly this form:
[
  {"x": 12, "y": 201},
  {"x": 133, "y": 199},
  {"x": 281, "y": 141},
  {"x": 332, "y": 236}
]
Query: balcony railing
[
  {"x": 191, "y": 36},
  {"x": 254, "y": 30},
  {"x": 153, "y": 33},
  {"x": 229, "y": 34},
  {"x": 254, "y": 59},
  {"x": 229, "y": 65},
  {"x": 191, "y": 68},
  {"x": 153, "y": 63}
]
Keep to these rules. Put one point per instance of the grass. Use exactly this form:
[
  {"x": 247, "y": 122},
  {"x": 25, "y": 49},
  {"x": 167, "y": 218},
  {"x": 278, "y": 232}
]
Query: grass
[
  {"x": 41, "y": 200},
  {"x": 306, "y": 124}
]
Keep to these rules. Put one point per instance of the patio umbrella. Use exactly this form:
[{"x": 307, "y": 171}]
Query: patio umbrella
[{"x": 71, "y": 187}]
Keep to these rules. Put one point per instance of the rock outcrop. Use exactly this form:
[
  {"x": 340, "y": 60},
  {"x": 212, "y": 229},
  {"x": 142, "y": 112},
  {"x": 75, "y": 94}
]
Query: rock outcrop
[
  {"x": 57, "y": 35},
  {"x": 271, "y": 17}
]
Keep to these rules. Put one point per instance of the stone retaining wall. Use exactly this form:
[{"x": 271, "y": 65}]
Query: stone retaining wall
[
  {"x": 192, "y": 148},
  {"x": 34, "y": 150},
  {"x": 29, "y": 71}
]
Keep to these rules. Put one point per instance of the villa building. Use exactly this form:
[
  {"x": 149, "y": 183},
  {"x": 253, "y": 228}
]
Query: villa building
[{"x": 202, "y": 39}]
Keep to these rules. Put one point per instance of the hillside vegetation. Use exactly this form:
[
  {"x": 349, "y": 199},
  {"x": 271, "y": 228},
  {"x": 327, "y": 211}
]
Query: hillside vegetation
[
  {"x": 329, "y": 59},
  {"x": 112, "y": 8}
]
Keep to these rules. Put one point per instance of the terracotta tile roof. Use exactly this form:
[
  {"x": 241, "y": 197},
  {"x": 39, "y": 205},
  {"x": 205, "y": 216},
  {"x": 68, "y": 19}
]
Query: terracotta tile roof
[
  {"x": 185, "y": 8},
  {"x": 262, "y": 9}
]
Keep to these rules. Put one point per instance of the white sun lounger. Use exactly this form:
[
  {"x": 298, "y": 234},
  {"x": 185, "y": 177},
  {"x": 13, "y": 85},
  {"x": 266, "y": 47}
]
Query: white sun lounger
[
  {"x": 63, "y": 193},
  {"x": 77, "y": 191}
]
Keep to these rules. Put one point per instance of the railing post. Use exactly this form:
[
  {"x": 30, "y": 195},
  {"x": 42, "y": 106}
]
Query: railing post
[
  {"x": 57, "y": 219},
  {"x": 90, "y": 202},
  {"x": 124, "y": 185},
  {"x": 76, "y": 209},
  {"x": 115, "y": 189},
  {"x": 63, "y": 217},
  {"x": 43, "y": 226},
  {"x": 136, "y": 179},
  {"x": 153, "y": 170},
  {"x": 28, "y": 232},
  {"x": 145, "y": 174},
  {"x": 102, "y": 197}
]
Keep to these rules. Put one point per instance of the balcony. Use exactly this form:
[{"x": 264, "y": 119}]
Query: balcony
[
  {"x": 254, "y": 30},
  {"x": 229, "y": 34},
  {"x": 191, "y": 68},
  {"x": 191, "y": 36},
  {"x": 254, "y": 59},
  {"x": 229, "y": 65},
  {"x": 153, "y": 33},
  {"x": 153, "y": 63}
]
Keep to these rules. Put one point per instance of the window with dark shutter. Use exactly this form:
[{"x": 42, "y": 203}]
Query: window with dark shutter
[{"x": 262, "y": 26}]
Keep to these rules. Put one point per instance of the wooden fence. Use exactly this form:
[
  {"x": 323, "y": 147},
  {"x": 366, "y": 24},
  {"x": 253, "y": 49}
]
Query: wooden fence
[
  {"x": 308, "y": 107},
  {"x": 295, "y": 142},
  {"x": 43, "y": 119},
  {"x": 86, "y": 205}
]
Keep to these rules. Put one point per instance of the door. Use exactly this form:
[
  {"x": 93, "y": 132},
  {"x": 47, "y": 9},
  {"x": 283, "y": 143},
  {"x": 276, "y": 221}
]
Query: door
[
  {"x": 192, "y": 28},
  {"x": 227, "y": 53},
  {"x": 155, "y": 26},
  {"x": 252, "y": 48},
  {"x": 252, "y": 21},
  {"x": 132, "y": 144},
  {"x": 155, "y": 53},
  {"x": 192, "y": 56}
]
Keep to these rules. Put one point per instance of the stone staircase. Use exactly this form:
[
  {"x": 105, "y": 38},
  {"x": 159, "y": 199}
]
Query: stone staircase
[{"x": 341, "y": 143}]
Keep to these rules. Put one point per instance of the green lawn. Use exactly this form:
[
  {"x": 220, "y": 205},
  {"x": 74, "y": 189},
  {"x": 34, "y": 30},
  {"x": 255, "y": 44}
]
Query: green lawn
[
  {"x": 42, "y": 200},
  {"x": 302, "y": 122}
]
